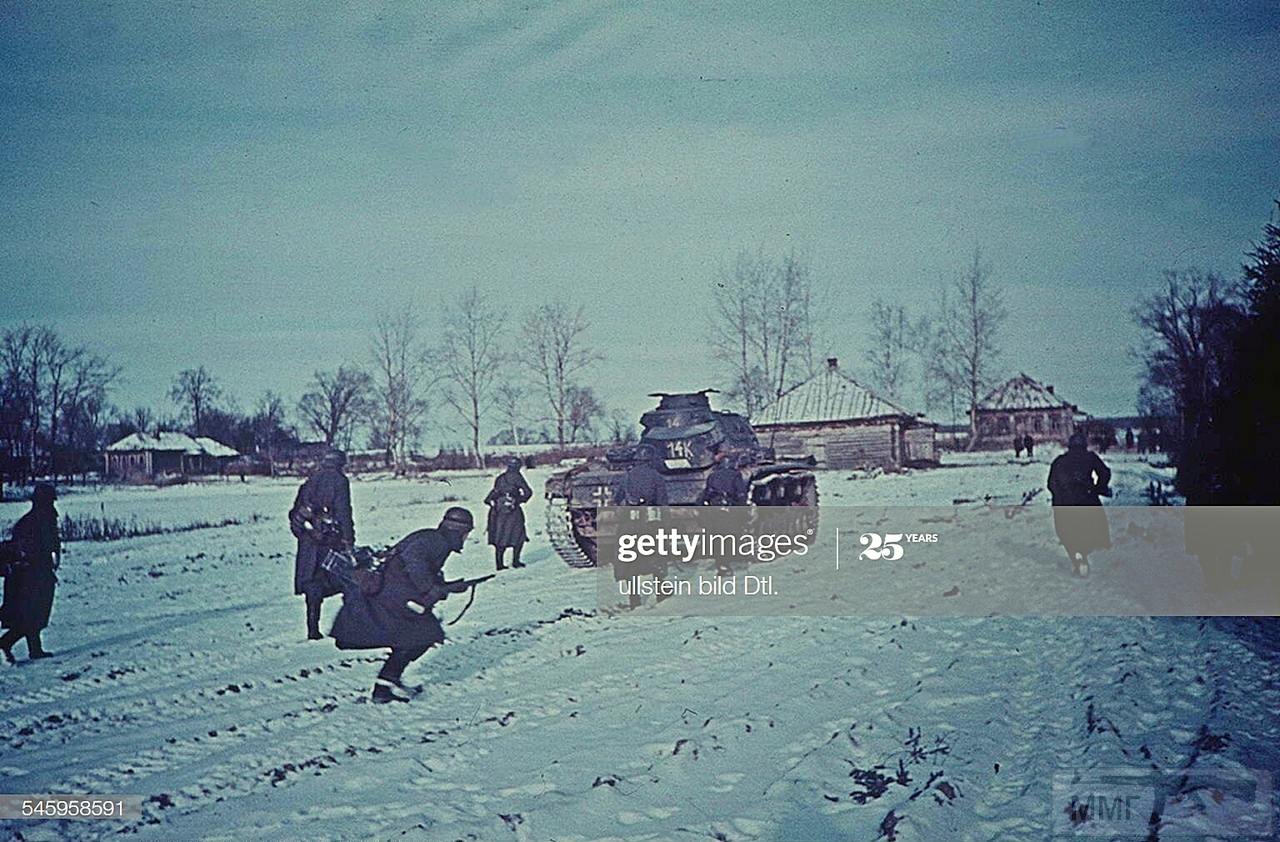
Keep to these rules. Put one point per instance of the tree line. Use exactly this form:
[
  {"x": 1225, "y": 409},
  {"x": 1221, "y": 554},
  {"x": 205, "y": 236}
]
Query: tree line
[
  {"x": 1212, "y": 370},
  {"x": 768, "y": 334},
  {"x": 504, "y": 381}
]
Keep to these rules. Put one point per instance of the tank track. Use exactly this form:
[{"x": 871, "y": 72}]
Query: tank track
[
  {"x": 565, "y": 543},
  {"x": 560, "y": 534}
]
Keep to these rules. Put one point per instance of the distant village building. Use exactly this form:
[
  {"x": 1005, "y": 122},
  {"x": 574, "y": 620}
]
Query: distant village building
[
  {"x": 843, "y": 424},
  {"x": 146, "y": 456},
  {"x": 1023, "y": 406}
]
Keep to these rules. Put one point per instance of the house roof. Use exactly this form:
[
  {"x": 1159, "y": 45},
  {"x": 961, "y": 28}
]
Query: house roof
[
  {"x": 1023, "y": 392},
  {"x": 830, "y": 395},
  {"x": 172, "y": 442}
]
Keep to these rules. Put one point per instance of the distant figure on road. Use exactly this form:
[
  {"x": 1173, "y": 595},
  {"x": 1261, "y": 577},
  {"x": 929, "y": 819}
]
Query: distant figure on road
[
  {"x": 323, "y": 501},
  {"x": 1017, "y": 446},
  {"x": 506, "y": 514},
  {"x": 1128, "y": 439},
  {"x": 642, "y": 485},
  {"x": 1029, "y": 445},
  {"x": 30, "y": 583},
  {"x": 399, "y": 615},
  {"x": 725, "y": 484},
  {"x": 1077, "y": 479}
]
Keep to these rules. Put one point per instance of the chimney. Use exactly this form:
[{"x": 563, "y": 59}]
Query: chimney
[
  {"x": 1050, "y": 388},
  {"x": 831, "y": 363}
]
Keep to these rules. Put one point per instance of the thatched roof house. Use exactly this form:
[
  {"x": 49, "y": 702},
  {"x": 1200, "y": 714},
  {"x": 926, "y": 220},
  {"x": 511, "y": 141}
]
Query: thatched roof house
[
  {"x": 1024, "y": 406},
  {"x": 844, "y": 424},
  {"x": 144, "y": 456}
]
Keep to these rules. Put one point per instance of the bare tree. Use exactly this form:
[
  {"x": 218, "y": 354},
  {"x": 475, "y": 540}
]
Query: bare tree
[
  {"x": 622, "y": 427},
  {"x": 891, "y": 347},
  {"x": 1188, "y": 332},
  {"x": 401, "y": 379},
  {"x": 509, "y": 399},
  {"x": 270, "y": 428},
  {"x": 194, "y": 390},
  {"x": 970, "y": 312},
  {"x": 471, "y": 359},
  {"x": 52, "y": 396},
  {"x": 334, "y": 401},
  {"x": 555, "y": 337},
  {"x": 764, "y": 326},
  {"x": 584, "y": 410}
]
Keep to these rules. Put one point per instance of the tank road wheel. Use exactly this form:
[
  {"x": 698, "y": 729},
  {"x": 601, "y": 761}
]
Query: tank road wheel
[{"x": 576, "y": 550}]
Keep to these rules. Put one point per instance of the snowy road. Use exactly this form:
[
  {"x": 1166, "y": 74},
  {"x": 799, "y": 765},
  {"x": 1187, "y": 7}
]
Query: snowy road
[{"x": 183, "y": 675}]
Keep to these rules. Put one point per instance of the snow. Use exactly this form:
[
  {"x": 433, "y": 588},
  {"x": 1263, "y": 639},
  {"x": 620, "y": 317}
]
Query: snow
[
  {"x": 170, "y": 441},
  {"x": 183, "y": 675}
]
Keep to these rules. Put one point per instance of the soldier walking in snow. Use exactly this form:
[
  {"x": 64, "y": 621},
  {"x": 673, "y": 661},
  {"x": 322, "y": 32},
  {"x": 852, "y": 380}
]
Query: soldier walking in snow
[
  {"x": 505, "y": 524},
  {"x": 1029, "y": 445},
  {"x": 398, "y": 614},
  {"x": 32, "y": 578},
  {"x": 321, "y": 520},
  {"x": 1077, "y": 479}
]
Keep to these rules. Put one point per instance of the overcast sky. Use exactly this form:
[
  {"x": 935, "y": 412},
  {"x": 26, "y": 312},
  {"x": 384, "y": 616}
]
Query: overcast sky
[{"x": 247, "y": 186}]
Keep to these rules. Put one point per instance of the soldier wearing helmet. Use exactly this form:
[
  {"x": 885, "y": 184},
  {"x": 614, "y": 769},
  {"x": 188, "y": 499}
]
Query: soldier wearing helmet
[
  {"x": 505, "y": 524},
  {"x": 325, "y": 498},
  {"x": 642, "y": 485},
  {"x": 399, "y": 615}
]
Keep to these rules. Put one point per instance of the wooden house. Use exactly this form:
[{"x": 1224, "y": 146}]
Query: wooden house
[
  {"x": 146, "y": 456},
  {"x": 843, "y": 424},
  {"x": 1023, "y": 406}
]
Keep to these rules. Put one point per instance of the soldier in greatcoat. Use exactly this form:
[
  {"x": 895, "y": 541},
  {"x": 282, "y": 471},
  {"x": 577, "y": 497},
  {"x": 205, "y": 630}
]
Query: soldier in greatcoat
[
  {"x": 325, "y": 498},
  {"x": 32, "y": 577},
  {"x": 506, "y": 514}
]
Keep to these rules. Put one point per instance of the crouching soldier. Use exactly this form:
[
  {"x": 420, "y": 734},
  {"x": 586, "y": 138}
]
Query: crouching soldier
[
  {"x": 398, "y": 614},
  {"x": 725, "y": 484},
  {"x": 324, "y": 499}
]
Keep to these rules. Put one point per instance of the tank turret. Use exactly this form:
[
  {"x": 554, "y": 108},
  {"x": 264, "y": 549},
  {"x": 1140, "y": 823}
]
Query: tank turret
[{"x": 685, "y": 435}]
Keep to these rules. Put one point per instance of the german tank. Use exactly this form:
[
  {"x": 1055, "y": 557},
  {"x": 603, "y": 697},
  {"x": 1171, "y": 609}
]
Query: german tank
[{"x": 686, "y": 434}]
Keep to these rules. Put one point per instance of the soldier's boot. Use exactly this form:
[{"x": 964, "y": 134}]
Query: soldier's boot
[
  {"x": 6, "y": 646},
  {"x": 313, "y": 618},
  {"x": 384, "y": 691},
  {"x": 515, "y": 557},
  {"x": 498, "y": 553},
  {"x": 35, "y": 650},
  {"x": 410, "y": 690}
]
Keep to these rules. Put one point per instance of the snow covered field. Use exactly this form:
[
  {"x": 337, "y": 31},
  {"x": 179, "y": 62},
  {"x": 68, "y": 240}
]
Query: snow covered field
[{"x": 183, "y": 675}]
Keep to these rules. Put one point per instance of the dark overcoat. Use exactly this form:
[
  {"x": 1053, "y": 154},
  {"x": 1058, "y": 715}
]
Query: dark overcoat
[
  {"x": 414, "y": 572},
  {"x": 642, "y": 485},
  {"x": 1075, "y": 478},
  {"x": 725, "y": 487},
  {"x": 506, "y": 522},
  {"x": 29, "y": 587},
  {"x": 327, "y": 489}
]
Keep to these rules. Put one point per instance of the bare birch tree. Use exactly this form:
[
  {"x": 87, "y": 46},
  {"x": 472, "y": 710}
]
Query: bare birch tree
[
  {"x": 471, "y": 360},
  {"x": 556, "y": 338},
  {"x": 402, "y": 378},
  {"x": 891, "y": 348},
  {"x": 970, "y": 312},
  {"x": 509, "y": 400},
  {"x": 764, "y": 326},
  {"x": 334, "y": 401}
]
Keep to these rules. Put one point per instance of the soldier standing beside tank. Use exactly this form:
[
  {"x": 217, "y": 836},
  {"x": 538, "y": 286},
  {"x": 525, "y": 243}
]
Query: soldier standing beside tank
[
  {"x": 725, "y": 484},
  {"x": 642, "y": 485},
  {"x": 399, "y": 615},
  {"x": 1077, "y": 479},
  {"x": 29, "y": 587},
  {"x": 327, "y": 493},
  {"x": 506, "y": 514}
]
